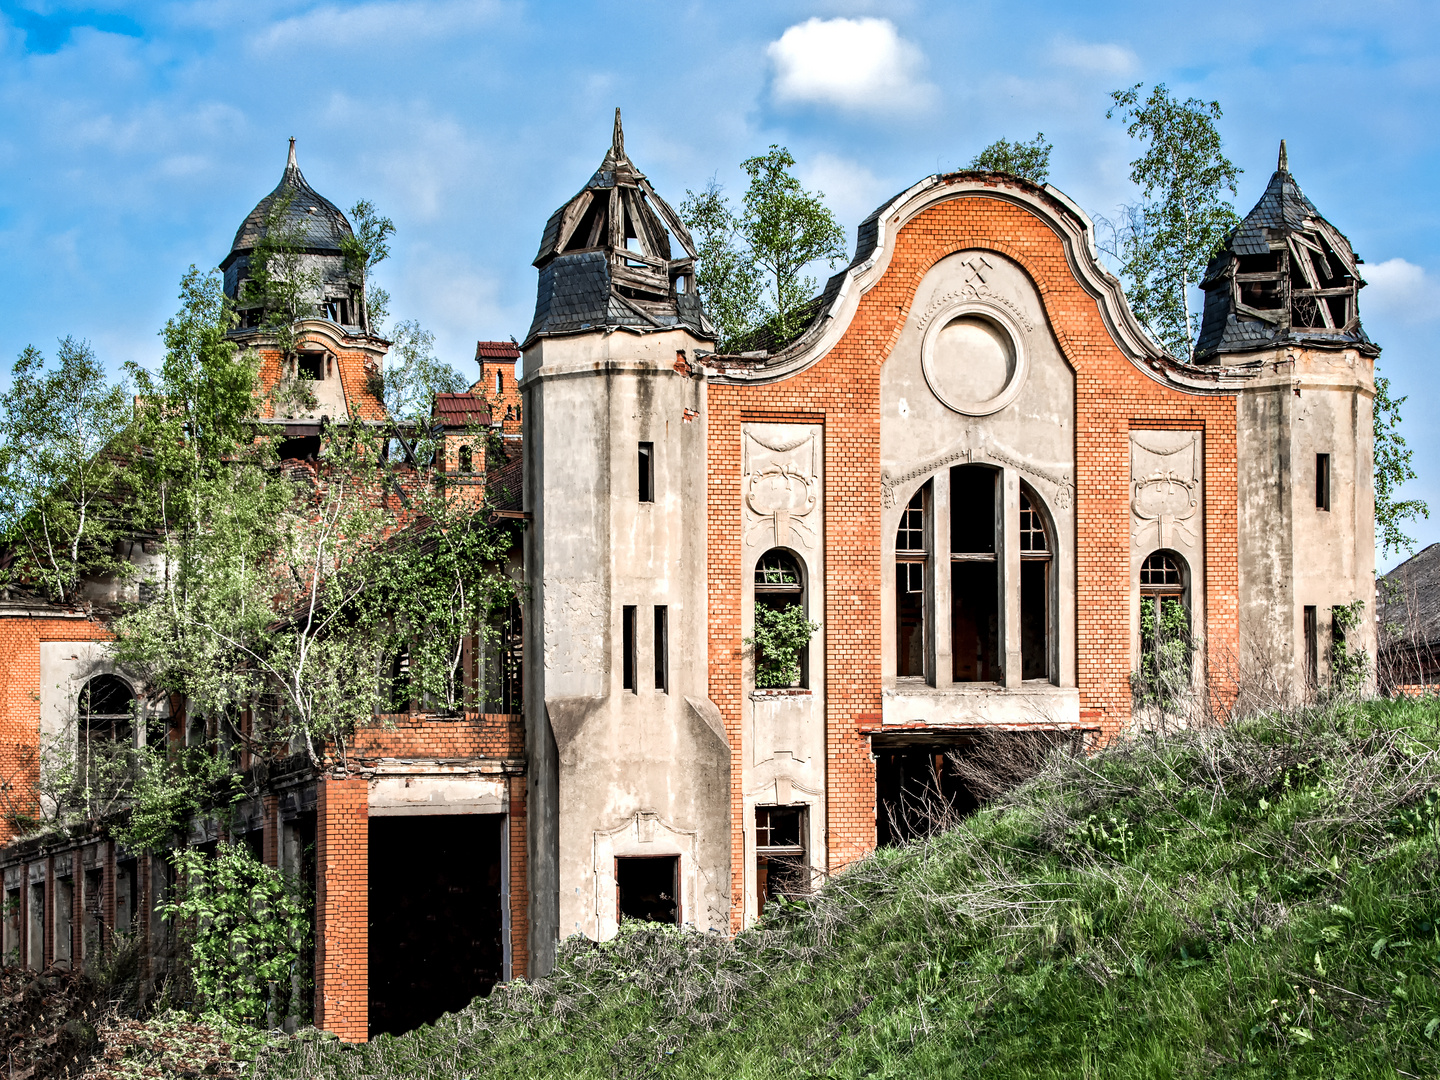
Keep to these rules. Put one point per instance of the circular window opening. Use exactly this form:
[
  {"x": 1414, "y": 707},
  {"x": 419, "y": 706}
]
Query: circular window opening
[{"x": 973, "y": 360}]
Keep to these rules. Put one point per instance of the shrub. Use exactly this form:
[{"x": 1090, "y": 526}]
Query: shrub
[{"x": 780, "y": 634}]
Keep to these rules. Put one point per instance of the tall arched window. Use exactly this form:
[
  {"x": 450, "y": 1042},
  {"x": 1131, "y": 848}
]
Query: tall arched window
[
  {"x": 1036, "y": 553},
  {"x": 974, "y": 574},
  {"x": 106, "y": 710},
  {"x": 780, "y": 612},
  {"x": 1166, "y": 644},
  {"x": 911, "y": 557},
  {"x": 467, "y": 459}
]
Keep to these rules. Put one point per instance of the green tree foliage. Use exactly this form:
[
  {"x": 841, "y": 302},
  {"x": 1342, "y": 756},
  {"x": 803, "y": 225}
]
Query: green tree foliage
[
  {"x": 281, "y": 283},
  {"x": 751, "y": 264},
  {"x": 1167, "y": 239},
  {"x": 244, "y": 928},
  {"x": 1166, "y": 676},
  {"x": 780, "y": 634},
  {"x": 728, "y": 281},
  {"x": 414, "y": 374},
  {"x": 1392, "y": 468},
  {"x": 62, "y": 452},
  {"x": 1029, "y": 161},
  {"x": 367, "y": 247}
]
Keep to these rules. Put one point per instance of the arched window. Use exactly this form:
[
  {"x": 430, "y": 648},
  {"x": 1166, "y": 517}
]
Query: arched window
[
  {"x": 911, "y": 557},
  {"x": 106, "y": 710},
  {"x": 1035, "y": 580},
  {"x": 467, "y": 460},
  {"x": 1166, "y": 645},
  {"x": 974, "y": 574},
  {"x": 781, "y": 619}
]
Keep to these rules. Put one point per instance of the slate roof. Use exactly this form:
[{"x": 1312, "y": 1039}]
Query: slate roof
[
  {"x": 319, "y": 221},
  {"x": 460, "y": 410},
  {"x": 609, "y": 283},
  {"x": 497, "y": 350},
  {"x": 1282, "y": 222},
  {"x": 1408, "y": 597}
]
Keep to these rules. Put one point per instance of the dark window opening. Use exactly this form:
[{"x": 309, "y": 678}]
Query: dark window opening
[
  {"x": 918, "y": 792},
  {"x": 337, "y": 311},
  {"x": 107, "y": 711},
  {"x": 435, "y": 918},
  {"x": 1268, "y": 263},
  {"x": 499, "y": 382},
  {"x": 127, "y": 895},
  {"x": 648, "y": 888},
  {"x": 662, "y": 648},
  {"x": 1312, "y": 647},
  {"x": 467, "y": 459},
  {"x": 910, "y": 564},
  {"x": 647, "y": 472},
  {"x": 10, "y": 947},
  {"x": 974, "y": 575},
  {"x": 311, "y": 365},
  {"x": 304, "y": 448},
  {"x": 1035, "y": 558},
  {"x": 972, "y": 510},
  {"x": 501, "y": 662},
  {"x": 1034, "y": 619},
  {"x": 782, "y": 864},
  {"x": 37, "y": 926},
  {"x": 1322, "y": 481},
  {"x": 975, "y": 622},
  {"x": 629, "y": 660},
  {"x": 779, "y": 585}
]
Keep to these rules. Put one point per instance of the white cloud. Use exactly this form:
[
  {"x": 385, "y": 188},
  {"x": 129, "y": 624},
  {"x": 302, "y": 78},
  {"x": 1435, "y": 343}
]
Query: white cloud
[
  {"x": 335, "y": 26},
  {"x": 1095, "y": 58},
  {"x": 1399, "y": 290},
  {"x": 862, "y": 64},
  {"x": 851, "y": 190}
]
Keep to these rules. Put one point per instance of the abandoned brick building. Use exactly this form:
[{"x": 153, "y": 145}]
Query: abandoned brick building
[{"x": 972, "y": 470}]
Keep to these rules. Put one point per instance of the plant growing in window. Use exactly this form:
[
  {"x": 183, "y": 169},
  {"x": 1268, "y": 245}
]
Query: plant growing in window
[
  {"x": 1166, "y": 648},
  {"x": 780, "y": 634}
]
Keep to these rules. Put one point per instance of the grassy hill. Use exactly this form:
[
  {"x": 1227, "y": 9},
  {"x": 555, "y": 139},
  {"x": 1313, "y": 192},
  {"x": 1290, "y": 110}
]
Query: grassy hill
[{"x": 1259, "y": 901}]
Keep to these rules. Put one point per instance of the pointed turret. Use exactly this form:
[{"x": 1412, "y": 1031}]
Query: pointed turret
[
  {"x": 1284, "y": 275},
  {"x": 606, "y": 260}
]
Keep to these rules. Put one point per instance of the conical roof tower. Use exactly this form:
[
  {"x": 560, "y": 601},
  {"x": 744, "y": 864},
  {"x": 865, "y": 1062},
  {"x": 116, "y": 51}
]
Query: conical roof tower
[
  {"x": 606, "y": 259},
  {"x": 1284, "y": 275}
]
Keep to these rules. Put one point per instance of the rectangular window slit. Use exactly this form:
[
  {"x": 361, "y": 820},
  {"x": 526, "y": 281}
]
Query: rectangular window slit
[
  {"x": 1312, "y": 647},
  {"x": 1322, "y": 481},
  {"x": 647, "y": 472},
  {"x": 662, "y": 648},
  {"x": 628, "y": 647}
]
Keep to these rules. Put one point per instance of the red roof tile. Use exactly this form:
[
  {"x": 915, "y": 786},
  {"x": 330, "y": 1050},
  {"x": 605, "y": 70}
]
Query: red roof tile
[
  {"x": 497, "y": 350},
  {"x": 461, "y": 410}
]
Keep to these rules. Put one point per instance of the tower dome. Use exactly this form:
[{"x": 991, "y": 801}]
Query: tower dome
[
  {"x": 1284, "y": 275},
  {"x": 316, "y": 228},
  {"x": 606, "y": 258}
]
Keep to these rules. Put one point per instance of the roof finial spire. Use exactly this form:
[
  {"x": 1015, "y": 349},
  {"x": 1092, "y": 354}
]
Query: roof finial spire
[
  {"x": 290, "y": 162},
  {"x": 617, "y": 143},
  {"x": 1284, "y": 165}
]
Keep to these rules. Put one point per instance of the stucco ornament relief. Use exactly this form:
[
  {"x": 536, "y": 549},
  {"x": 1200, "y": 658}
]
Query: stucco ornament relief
[
  {"x": 972, "y": 350},
  {"x": 781, "y": 484},
  {"x": 1061, "y": 488},
  {"x": 1164, "y": 486}
]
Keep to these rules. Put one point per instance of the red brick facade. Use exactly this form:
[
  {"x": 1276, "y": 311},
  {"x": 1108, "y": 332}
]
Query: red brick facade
[{"x": 842, "y": 391}]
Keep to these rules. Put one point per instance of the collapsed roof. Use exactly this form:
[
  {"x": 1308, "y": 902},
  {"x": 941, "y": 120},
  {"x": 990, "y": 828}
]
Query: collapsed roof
[
  {"x": 606, "y": 258},
  {"x": 1284, "y": 275}
]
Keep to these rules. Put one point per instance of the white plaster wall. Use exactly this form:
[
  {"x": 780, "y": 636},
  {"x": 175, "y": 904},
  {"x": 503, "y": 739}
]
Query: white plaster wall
[
  {"x": 1029, "y": 436},
  {"x": 783, "y": 505}
]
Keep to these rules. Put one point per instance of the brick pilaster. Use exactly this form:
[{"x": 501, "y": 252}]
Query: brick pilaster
[
  {"x": 342, "y": 903},
  {"x": 519, "y": 882}
]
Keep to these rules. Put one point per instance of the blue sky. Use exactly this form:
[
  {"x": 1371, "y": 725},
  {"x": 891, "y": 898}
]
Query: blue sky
[{"x": 135, "y": 137}]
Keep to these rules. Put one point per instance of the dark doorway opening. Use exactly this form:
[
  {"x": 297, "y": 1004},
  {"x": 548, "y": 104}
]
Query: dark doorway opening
[
  {"x": 435, "y": 920},
  {"x": 917, "y": 791},
  {"x": 975, "y": 627},
  {"x": 647, "y": 887},
  {"x": 782, "y": 864}
]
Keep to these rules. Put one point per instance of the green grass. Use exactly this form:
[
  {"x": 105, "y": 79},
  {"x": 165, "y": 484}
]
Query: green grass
[{"x": 1258, "y": 901}]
